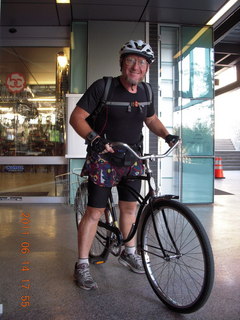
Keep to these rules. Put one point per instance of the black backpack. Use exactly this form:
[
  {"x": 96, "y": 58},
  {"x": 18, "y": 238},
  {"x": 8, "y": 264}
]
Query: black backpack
[{"x": 91, "y": 119}]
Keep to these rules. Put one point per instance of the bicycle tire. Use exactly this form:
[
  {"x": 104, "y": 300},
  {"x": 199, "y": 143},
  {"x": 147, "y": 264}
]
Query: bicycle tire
[
  {"x": 80, "y": 201},
  {"x": 99, "y": 249},
  {"x": 183, "y": 283}
]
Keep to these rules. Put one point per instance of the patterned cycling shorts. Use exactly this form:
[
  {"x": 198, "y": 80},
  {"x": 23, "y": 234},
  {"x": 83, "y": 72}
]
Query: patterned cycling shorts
[{"x": 104, "y": 174}]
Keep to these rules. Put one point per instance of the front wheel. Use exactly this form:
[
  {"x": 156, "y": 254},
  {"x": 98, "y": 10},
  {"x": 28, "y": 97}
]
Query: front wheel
[{"x": 177, "y": 256}]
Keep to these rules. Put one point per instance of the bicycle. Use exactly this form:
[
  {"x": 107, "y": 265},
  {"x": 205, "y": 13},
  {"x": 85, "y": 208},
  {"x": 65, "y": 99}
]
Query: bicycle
[{"x": 174, "y": 246}]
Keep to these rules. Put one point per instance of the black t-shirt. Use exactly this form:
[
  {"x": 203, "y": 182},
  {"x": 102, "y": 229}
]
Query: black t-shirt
[{"x": 118, "y": 122}]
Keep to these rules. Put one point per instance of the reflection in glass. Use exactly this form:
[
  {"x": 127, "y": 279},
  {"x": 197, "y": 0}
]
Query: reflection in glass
[
  {"x": 197, "y": 65},
  {"x": 197, "y": 74},
  {"x": 31, "y": 128},
  {"x": 198, "y": 129},
  {"x": 31, "y": 121},
  {"x": 30, "y": 180}
]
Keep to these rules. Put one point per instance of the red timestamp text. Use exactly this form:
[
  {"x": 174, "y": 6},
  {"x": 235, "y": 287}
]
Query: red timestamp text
[{"x": 25, "y": 222}]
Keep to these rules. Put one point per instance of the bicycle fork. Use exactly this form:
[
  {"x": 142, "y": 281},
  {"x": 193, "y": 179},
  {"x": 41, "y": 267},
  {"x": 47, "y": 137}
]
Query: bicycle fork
[{"x": 167, "y": 255}]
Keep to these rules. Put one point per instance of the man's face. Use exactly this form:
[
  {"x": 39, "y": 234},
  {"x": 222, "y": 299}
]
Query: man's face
[{"x": 134, "y": 69}]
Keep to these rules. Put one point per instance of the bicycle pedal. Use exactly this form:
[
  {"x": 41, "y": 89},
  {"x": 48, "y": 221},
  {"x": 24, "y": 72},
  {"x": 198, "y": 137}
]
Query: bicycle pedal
[
  {"x": 99, "y": 262},
  {"x": 96, "y": 261}
]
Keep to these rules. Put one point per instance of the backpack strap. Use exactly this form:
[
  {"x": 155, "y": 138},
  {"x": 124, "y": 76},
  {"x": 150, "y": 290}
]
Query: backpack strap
[
  {"x": 91, "y": 119},
  {"x": 148, "y": 90},
  {"x": 149, "y": 94},
  {"x": 107, "y": 87},
  {"x": 108, "y": 82}
]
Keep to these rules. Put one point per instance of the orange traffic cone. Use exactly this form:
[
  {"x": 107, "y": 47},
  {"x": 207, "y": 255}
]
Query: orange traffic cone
[{"x": 219, "y": 169}]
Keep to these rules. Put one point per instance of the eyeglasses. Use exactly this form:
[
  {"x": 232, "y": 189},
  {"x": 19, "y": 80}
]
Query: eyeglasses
[{"x": 131, "y": 61}]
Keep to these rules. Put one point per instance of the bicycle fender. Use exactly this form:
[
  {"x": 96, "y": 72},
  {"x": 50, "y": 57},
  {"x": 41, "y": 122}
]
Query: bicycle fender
[{"x": 140, "y": 224}]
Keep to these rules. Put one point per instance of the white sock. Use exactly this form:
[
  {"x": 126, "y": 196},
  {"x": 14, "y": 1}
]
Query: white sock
[
  {"x": 80, "y": 261},
  {"x": 130, "y": 250}
]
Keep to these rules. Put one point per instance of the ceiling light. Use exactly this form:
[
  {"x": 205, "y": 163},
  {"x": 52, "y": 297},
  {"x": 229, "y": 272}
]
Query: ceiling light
[
  {"x": 62, "y": 1},
  {"x": 4, "y": 108},
  {"x": 221, "y": 12},
  {"x": 42, "y": 99},
  {"x": 216, "y": 17},
  {"x": 46, "y": 109},
  {"x": 62, "y": 59}
]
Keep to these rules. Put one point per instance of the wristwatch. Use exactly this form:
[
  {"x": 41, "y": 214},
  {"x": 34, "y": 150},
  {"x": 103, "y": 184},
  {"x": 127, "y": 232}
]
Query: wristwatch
[{"x": 91, "y": 136}]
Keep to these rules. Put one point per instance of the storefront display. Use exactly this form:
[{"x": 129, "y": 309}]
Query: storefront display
[
  {"x": 32, "y": 129},
  {"x": 32, "y": 121}
]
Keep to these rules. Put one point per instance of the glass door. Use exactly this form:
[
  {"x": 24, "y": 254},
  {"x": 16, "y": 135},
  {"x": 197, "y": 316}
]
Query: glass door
[
  {"x": 196, "y": 65},
  {"x": 186, "y": 106},
  {"x": 32, "y": 122}
]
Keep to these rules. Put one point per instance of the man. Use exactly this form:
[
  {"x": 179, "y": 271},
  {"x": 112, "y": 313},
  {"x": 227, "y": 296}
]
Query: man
[{"x": 116, "y": 122}]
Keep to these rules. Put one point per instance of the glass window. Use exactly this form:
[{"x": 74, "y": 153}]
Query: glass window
[
  {"x": 79, "y": 49},
  {"x": 32, "y": 128},
  {"x": 32, "y": 180},
  {"x": 186, "y": 107},
  {"x": 32, "y": 90},
  {"x": 33, "y": 85},
  {"x": 197, "y": 63},
  {"x": 197, "y": 180}
]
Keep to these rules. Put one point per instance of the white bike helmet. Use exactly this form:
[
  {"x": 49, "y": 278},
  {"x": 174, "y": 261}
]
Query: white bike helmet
[{"x": 138, "y": 47}]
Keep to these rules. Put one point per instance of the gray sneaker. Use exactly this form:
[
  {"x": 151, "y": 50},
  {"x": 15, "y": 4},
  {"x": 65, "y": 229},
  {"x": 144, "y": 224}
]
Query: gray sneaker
[
  {"x": 132, "y": 261},
  {"x": 83, "y": 277}
]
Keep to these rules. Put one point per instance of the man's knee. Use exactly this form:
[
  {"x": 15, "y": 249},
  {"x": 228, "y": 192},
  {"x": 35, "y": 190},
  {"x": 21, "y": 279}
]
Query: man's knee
[
  {"x": 93, "y": 214},
  {"x": 127, "y": 208}
]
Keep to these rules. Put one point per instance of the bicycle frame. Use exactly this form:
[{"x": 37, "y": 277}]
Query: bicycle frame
[{"x": 143, "y": 201}]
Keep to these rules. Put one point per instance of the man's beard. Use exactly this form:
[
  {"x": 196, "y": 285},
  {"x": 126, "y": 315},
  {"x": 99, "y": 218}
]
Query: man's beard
[{"x": 132, "y": 81}]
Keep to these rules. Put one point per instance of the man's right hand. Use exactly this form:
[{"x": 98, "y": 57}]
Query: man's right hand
[{"x": 100, "y": 145}]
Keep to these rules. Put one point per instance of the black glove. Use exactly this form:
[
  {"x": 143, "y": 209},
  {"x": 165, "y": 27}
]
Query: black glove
[
  {"x": 171, "y": 139},
  {"x": 98, "y": 144}
]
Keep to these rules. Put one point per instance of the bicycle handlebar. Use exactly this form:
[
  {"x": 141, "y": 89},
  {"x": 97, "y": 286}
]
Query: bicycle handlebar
[{"x": 147, "y": 156}]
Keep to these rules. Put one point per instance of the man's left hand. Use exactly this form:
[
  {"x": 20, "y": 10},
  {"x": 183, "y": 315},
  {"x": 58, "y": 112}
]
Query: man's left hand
[{"x": 171, "y": 139}]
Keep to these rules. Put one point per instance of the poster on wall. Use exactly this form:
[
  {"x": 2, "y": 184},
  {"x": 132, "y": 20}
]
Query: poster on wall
[{"x": 15, "y": 82}]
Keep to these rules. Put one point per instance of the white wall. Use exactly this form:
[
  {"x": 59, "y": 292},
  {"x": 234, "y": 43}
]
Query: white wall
[
  {"x": 75, "y": 145},
  {"x": 227, "y": 117},
  {"x": 105, "y": 38}
]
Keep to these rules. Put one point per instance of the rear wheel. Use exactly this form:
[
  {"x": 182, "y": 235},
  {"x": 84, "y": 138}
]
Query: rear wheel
[
  {"x": 99, "y": 249},
  {"x": 177, "y": 256},
  {"x": 80, "y": 201}
]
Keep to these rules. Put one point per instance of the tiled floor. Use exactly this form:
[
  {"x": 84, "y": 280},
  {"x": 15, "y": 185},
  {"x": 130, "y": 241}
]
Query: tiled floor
[{"x": 48, "y": 285}]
